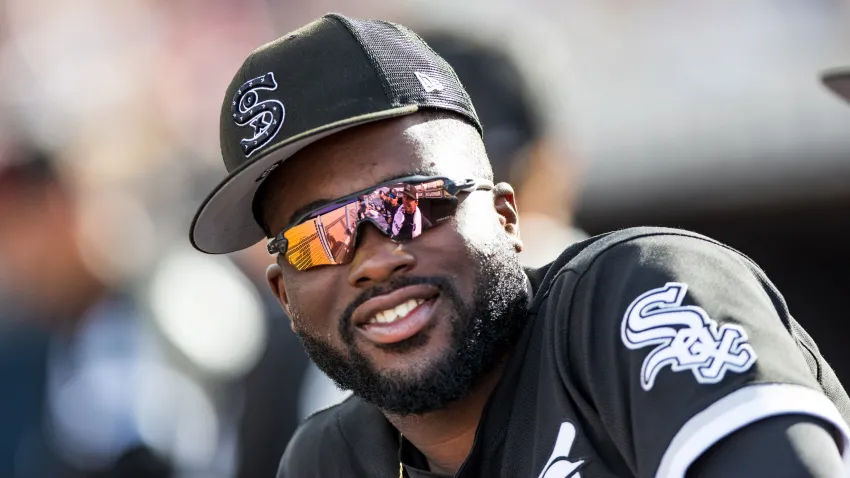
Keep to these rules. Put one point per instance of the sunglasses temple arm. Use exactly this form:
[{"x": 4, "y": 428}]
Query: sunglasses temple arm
[{"x": 473, "y": 185}]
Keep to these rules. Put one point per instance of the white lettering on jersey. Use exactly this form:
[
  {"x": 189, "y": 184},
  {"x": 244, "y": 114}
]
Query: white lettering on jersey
[
  {"x": 559, "y": 465},
  {"x": 686, "y": 338}
]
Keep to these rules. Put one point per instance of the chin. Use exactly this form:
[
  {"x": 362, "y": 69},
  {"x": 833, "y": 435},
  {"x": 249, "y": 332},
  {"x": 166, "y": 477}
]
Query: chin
[{"x": 414, "y": 355}]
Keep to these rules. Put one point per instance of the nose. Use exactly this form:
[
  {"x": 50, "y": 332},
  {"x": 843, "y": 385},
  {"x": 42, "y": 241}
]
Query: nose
[{"x": 377, "y": 259}]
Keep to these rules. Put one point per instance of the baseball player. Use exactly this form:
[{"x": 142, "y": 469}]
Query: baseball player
[{"x": 640, "y": 353}]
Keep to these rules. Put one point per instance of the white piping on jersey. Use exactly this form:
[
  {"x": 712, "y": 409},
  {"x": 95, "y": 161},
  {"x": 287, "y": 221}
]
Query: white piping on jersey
[{"x": 741, "y": 408}]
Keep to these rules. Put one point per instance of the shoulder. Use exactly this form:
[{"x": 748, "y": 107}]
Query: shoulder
[
  {"x": 318, "y": 431},
  {"x": 628, "y": 254},
  {"x": 648, "y": 245},
  {"x": 334, "y": 428}
]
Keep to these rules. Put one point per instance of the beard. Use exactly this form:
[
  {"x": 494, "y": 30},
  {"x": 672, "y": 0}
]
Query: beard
[{"x": 482, "y": 331}]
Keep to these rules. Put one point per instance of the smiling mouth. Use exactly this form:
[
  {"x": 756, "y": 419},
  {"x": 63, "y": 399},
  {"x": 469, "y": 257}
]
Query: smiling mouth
[
  {"x": 396, "y": 313},
  {"x": 396, "y": 316}
]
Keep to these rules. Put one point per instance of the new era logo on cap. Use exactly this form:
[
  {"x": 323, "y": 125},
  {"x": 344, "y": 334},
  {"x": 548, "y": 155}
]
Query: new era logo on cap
[{"x": 430, "y": 84}]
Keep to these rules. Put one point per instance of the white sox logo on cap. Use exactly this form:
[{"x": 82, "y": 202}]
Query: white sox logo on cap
[{"x": 264, "y": 117}]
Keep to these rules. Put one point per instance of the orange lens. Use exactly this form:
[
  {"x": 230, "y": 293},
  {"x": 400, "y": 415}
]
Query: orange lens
[
  {"x": 323, "y": 240},
  {"x": 402, "y": 211}
]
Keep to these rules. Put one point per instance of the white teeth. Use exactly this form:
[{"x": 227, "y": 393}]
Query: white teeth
[
  {"x": 398, "y": 312},
  {"x": 411, "y": 304},
  {"x": 385, "y": 317}
]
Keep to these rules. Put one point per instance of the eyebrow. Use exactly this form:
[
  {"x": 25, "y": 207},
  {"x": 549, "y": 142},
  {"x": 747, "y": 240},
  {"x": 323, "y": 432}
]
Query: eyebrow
[{"x": 301, "y": 212}]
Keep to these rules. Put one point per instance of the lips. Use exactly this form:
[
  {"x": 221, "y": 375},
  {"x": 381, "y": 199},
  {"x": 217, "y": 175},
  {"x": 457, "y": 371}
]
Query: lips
[{"x": 396, "y": 316}]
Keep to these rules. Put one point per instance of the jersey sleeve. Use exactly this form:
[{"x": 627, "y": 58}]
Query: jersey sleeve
[
  {"x": 307, "y": 453},
  {"x": 677, "y": 342}
]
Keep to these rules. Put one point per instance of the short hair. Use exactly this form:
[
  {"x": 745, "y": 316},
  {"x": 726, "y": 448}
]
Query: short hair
[{"x": 265, "y": 197}]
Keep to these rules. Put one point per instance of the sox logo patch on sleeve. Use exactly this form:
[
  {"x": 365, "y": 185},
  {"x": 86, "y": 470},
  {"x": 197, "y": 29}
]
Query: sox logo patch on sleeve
[{"x": 685, "y": 337}]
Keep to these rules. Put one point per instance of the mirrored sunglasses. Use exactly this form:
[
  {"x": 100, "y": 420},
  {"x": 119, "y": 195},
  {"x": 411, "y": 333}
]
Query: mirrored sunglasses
[{"x": 402, "y": 209}]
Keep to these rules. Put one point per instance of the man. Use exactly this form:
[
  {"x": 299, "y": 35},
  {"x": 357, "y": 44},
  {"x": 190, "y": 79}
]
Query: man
[
  {"x": 643, "y": 352},
  {"x": 390, "y": 206},
  {"x": 408, "y": 221}
]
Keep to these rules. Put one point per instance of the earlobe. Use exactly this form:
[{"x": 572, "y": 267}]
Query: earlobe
[{"x": 513, "y": 233}]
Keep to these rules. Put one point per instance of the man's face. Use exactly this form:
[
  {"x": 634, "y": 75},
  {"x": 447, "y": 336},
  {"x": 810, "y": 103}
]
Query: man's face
[
  {"x": 410, "y": 204},
  {"x": 462, "y": 278}
]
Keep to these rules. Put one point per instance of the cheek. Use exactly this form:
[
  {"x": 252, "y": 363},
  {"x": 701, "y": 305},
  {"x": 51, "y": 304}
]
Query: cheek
[
  {"x": 454, "y": 250},
  {"x": 478, "y": 223},
  {"x": 312, "y": 307}
]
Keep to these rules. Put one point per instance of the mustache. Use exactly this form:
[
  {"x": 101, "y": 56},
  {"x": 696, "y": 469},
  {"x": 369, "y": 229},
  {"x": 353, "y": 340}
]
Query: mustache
[{"x": 441, "y": 283}]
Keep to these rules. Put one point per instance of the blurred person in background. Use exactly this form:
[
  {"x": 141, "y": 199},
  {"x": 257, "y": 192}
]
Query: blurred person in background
[
  {"x": 70, "y": 342},
  {"x": 192, "y": 401},
  {"x": 524, "y": 149}
]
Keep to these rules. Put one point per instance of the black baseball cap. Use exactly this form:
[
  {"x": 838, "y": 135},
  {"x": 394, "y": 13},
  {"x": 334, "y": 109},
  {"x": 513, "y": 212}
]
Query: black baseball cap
[
  {"x": 838, "y": 80},
  {"x": 330, "y": 75}
]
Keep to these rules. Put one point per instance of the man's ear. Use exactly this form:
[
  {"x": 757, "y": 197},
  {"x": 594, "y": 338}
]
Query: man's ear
[
  {"x": 275, "y": 278},
  {"x": 504, "y": 200}
]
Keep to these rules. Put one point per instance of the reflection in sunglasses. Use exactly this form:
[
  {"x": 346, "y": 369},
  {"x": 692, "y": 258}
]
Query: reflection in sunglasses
[
  {"x": 401, "y": 210},
  {"x": 324, "y": 240}
]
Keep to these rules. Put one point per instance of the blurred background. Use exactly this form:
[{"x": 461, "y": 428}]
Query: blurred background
[{"x": 125, "y": 353}]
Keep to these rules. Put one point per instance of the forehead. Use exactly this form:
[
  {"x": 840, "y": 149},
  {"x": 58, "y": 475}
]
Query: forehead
[{"x": 364, "y": 156}]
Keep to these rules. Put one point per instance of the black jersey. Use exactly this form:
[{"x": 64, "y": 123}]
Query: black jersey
[{"x": 642, "y": 349}]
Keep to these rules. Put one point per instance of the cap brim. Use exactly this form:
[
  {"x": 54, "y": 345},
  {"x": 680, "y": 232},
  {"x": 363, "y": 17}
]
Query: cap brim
[
  {"x": 225, "y": 221},
  {"x": 838, "y": 80}
]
